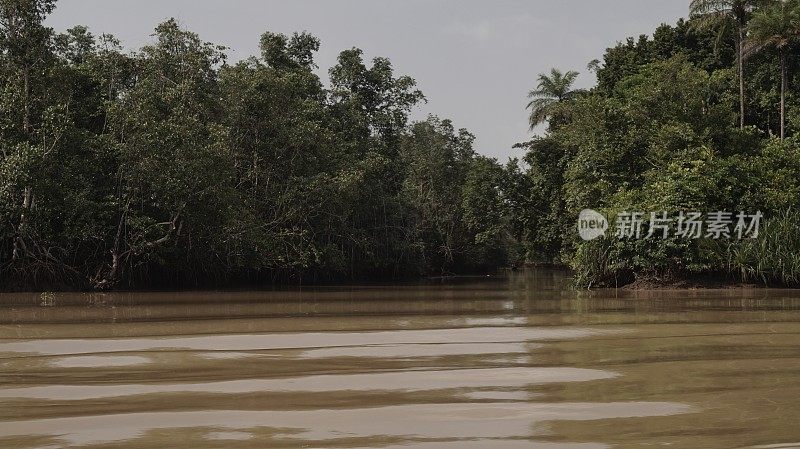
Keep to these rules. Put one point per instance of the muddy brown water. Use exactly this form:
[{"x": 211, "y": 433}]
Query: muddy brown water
[{"x": 515, "y": 362}]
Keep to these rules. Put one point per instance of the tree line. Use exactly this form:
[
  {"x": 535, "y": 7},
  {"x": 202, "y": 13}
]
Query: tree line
[
  {"x": 700, "y": 116},
  {"x": 171, "y": 166}
]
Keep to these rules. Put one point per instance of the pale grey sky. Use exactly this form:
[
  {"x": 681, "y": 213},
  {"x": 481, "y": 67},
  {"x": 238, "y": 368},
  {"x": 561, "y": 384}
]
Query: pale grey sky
[{"x": 474, "y": 59}]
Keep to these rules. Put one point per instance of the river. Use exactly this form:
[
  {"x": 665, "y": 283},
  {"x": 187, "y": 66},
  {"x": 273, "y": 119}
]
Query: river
[{"x": 485, "y": 363}]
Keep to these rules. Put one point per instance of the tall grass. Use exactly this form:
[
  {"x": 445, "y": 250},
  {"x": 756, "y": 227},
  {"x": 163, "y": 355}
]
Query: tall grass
[
  {"x": 773, "y": 258},
  {"x": 596, "y": 265}
]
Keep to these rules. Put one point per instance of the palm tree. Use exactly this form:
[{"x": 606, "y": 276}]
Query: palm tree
[
  {"x": 725, "y": 13},
  {"x": 551, "y": 91},
  {"x": 778, "y": 27}
]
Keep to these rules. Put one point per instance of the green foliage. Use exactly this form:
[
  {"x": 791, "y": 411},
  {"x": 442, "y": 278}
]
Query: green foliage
[
  {"x": 702, "y": 46},
  {"x": 170, "y": 167},
  {"x": 539, "y": 202},
  {"x": 662, "y": 131},
  {"x": 547, "y": 99},
  {"x": 772, "y": 259},
  {"x": 456, "y": 198},
  {"x": 777, "y": 26}
]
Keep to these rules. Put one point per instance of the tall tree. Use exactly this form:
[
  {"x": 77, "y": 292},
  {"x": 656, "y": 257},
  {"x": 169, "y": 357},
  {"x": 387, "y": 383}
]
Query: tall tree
[
  {"x": 25, "y": 45},
  {"x": 723, "y": 14},
  {"x": 546, "y": 99},
  {"x": 436, "y": 158},
  {"x": 285, "y": 155},
  {"x": 168, "y": 130},
  {"x": 777, "y": 26}
]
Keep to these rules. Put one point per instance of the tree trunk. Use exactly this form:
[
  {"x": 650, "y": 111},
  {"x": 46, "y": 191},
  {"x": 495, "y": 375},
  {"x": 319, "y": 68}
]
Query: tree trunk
[
  {"x": 784, "y": 83},
  {"x": 19, "y": 241},
  {"x": 26, "y": 88},
  {"x": 27, "y": 195},
  {"x": 740, "y": 64}
]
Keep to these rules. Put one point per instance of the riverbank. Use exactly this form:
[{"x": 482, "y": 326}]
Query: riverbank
[
  {"x": 645, "y": 283},
  {"x": 703, "y": 283},
  {"x": 266, "y": 285}
]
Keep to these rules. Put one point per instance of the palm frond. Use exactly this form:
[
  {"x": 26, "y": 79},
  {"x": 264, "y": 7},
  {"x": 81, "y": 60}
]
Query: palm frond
[{"x": 550, "y": 91}]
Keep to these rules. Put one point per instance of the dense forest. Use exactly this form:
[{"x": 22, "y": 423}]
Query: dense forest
[
  {"x": 702, "y": 116},
  {"x": 172, "y": 166}
]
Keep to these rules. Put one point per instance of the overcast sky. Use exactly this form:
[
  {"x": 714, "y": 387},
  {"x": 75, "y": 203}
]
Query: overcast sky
[{"x": 475, "y": 60}]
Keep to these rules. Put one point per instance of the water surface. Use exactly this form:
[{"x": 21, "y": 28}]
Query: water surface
[{"x": 516, "y": 362}]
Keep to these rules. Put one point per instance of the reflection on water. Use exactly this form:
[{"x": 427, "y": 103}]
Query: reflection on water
[
  {"x": 518, "y": 362},
  {"x": 98, "y": 361}
]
